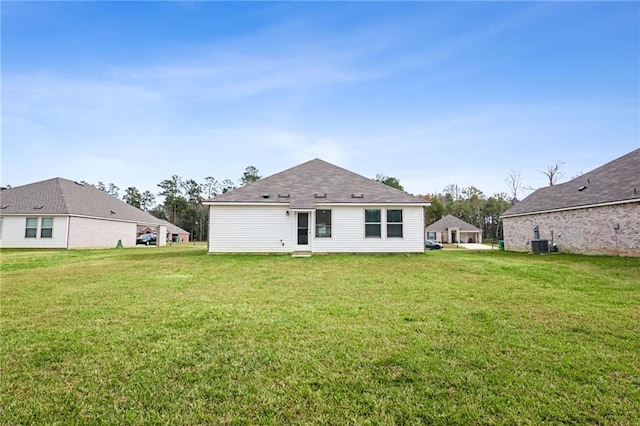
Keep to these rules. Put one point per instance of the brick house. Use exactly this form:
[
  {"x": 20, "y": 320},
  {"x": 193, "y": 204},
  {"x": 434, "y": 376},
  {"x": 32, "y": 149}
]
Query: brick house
[{"x": 595, "y": 213}]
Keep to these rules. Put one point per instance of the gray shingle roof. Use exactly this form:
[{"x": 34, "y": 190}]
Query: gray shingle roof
[
  {"x": 330, "y": 184},
  {"x": 615, "y": 182},
  {"x": 450, "y": 221},
  {"x": 60, "y": 196}
]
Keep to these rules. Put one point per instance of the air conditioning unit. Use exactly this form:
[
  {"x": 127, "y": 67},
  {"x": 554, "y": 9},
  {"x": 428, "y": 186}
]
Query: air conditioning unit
[{"x": 540, "y": 246}]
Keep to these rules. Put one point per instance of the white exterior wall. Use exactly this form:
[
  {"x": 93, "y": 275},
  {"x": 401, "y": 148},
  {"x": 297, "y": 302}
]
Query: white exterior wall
[
  {"x": 12, "y": 233},
  {"x": 267, "y": 229},
  {"x": 100, "y": 233},
  {"x": 347, "y": 232},
  {"x": 250, "y": 229}
]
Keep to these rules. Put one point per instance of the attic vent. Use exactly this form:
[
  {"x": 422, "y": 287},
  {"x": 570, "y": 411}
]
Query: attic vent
[
  {"x": 582, "y": 188},
  {"x": 78, "y": 183},
  {"x": 284, "y": 195},
  {"x": 4, "y": 207},
  {"x": 38, "y": 207},
  {"x": 265, "y": 195},
  {"x": 112, "y": 212},
  {"x": 319, "y": 195},
  {"x": 635, "y": 191},
  {"x": 360, "y": 195}
]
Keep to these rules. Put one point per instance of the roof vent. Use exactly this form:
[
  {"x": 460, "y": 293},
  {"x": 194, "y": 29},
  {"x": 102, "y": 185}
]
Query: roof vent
[
  {"x": 265, "y": 195},
  {"x": 319, "y": 195},
  {"x": 4, "y": 207},
  {"x": 284, "y": 195},
  {"x": 38, "y": 207},
  {"x": 78, "y": 183},
  {"x": 112, "y": 212},
  {"x": 359, "y": 195},
  {"x": 582, "y": 188}
]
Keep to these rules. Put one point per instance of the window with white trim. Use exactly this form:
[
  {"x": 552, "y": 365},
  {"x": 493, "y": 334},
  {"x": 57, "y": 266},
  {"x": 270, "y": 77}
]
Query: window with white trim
[
  {"x": 394, "y": 223},
  {"x": 372, "y": 223},
  {"x": 46, "y": 227},
  {"x": 31, "y": 229},
  {"x": 323, "y": 223}
]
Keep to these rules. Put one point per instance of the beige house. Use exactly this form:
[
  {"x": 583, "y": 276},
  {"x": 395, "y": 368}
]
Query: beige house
[
  {"x": 316, "y": 207},
  {"x": 450, "y": 229},
  {"x": 60, "y": 213},
  {"x": 596, "y": 213}
]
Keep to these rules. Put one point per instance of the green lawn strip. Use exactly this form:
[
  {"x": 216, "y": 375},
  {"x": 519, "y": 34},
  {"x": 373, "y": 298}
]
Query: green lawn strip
[{"x": 171, "y": 335}]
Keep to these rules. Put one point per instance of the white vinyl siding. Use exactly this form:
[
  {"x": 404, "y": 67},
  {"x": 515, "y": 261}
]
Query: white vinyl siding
[
  {"x": 14, "y": 229},
  {"x": 251, "y": 229},
  {"x": 347, "y": 232}
]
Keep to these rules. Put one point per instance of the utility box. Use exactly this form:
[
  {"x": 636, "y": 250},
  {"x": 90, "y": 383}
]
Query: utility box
[{"x": 540, "y": 246}]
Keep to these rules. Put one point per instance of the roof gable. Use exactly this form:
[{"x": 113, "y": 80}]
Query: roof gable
[
  {"x": 615, "y": 182},
  {"x": 60, "y": 196},
  {"x": 316, "y": 182},
  {"x": 450, "y": 221}
]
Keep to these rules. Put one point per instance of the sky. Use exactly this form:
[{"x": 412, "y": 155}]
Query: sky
[{"x": 432, "y": 93}]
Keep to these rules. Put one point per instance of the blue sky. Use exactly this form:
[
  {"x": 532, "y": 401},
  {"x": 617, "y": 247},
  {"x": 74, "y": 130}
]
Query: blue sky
[{"x": 432, "y": 93}]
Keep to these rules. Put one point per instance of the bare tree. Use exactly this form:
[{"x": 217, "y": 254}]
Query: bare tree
[
  {"x": 553, "y": 172},
  {"x": 513, "y": 182}
]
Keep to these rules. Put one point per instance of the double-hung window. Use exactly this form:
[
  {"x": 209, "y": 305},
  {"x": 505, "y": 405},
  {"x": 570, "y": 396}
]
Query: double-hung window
[
  {"x": 372, "y": 224},
  {"x": 394, "y": 223},
  {"x": 323, "y": 223},
  {"x": 46, "y": 227},
  {"x": 31, "y": 229}
]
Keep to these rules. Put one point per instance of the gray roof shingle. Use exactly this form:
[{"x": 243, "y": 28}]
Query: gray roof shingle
[
  {"x": 316, "y": 182},
  {"x": 615, "y": 182},
  {"x": 450, "y": 221},
  {"x": 60, "y": 196}
]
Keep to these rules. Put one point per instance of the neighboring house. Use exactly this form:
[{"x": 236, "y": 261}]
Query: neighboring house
[
  {"x": 174, "y": 233},
  {"x": 595, "y": 213},
  {"x": 60, "y": 213},
  {"x": 316, "y": 207},
  {"x": 450, "y": 229}
]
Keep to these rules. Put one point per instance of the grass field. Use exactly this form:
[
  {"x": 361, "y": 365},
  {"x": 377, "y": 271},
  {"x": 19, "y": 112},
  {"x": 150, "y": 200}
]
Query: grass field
[{"x": 174, "y": 336}]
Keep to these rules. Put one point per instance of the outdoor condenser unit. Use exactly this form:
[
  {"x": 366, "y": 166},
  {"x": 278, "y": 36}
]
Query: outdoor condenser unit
[{"x": 540, "y": 246}]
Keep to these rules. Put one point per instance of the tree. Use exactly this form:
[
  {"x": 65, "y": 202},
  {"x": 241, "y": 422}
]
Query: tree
[
  {"x": 227, "y": 185},
  {"x": 514, "y": 185},
  {"x": 171, "y": 193},
  {"x": 113, "y": 190},
  {"x": 435, "y": 211},
  {"x": 147, "y": 200},
  {"x": 389, "y": 181},
  {"x": 132, "y": 196},
  {"x": 553, "y": 172},
  {"x": 211, "y": 187},
  {"x": 101, "y": 186},
  {"x": 250, "y": 175},
  {"x": 192, "y": 191}
]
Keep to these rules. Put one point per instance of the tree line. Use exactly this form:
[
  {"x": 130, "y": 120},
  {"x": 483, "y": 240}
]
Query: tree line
[
  {"x": 183, "y": 198},
  {"x": 182, "y": 202}
]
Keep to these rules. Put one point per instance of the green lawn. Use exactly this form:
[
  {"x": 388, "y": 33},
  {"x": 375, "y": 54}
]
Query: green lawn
[{"x": 174, "y": 336}]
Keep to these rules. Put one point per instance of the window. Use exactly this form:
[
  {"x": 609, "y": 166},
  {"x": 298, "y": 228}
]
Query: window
[
  {"x": 31, "y": 230},
  {"x": 372, "y": 226},
  {"x": 431, "y": 235},
  {"x": 323, "y": 223},
  {"x": 46, "y": 228},
  {"x": 394, "y": 223}
]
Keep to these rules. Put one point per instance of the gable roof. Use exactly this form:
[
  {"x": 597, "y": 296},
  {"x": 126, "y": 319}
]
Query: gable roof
[
  {"x": 313, "y": 183},
  {"x": 60, "y": 196},
  {"x": 615, "y": 182},
  {"x": 450, "y": 221}
]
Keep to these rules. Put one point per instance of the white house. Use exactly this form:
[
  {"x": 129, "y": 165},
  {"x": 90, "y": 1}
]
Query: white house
[
  {"x": 316, "y": 207},
  {"x": 595, "y": 213},
  {"x": 60, "y": 213}
]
